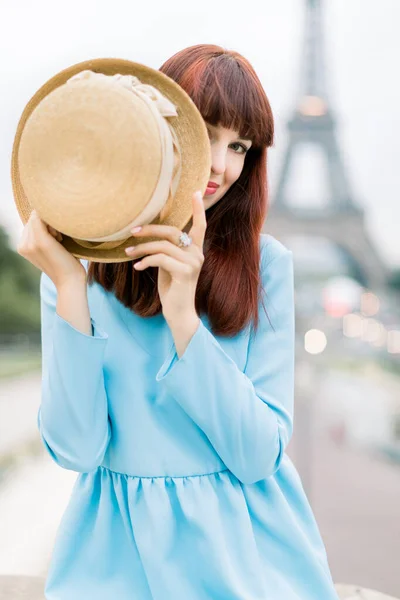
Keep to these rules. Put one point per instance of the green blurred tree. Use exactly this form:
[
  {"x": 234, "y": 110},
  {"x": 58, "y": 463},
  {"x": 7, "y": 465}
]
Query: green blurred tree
[
  {"x": 19, "y": 291},
  {"x": 394, "y": 280}
]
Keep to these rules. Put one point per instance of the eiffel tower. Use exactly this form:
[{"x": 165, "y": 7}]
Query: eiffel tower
[{"x": 312, "y": 125}]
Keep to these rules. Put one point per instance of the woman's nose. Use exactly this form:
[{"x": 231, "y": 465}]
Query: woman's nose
[{"x": 218, "y": 161}]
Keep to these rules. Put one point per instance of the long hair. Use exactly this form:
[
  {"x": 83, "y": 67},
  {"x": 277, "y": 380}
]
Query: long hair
[{"x": 227, "y": 91}]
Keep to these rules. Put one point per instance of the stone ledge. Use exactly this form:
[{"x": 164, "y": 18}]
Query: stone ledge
[
  {"x": 23, "y": 587},
  {"x": 354, "y": 592}
]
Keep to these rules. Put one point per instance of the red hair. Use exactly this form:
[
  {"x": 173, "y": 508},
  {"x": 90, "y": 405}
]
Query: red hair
[{"x": 227, "y": 91}]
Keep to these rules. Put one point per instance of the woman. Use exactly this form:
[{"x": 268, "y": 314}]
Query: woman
[{"x": 168, "y": 385}]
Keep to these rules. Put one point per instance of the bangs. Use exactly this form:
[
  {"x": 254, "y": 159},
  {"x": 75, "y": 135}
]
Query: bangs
[{"x": 229, "y": 93}]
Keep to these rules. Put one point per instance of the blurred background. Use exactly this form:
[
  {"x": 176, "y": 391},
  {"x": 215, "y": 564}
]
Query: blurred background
[{"x": 329, "y": 68}]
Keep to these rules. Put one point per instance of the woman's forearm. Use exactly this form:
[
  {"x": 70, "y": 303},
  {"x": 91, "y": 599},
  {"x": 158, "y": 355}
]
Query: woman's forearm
[
  {"x": 183, "y": 331},
  {"x": 72, "y": 304}
]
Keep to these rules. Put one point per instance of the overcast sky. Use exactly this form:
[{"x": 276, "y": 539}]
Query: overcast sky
[{"x": 39, "y": 38}]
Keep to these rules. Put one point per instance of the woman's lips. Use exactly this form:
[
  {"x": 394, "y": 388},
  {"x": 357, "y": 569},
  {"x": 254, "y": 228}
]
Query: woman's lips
[{"x": 211, "y": 188}]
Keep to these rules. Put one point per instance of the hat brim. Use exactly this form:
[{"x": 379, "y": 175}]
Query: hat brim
[{"x": 190, "y": 130}]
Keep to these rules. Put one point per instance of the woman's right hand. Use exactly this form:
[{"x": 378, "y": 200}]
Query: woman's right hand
[{"x": 40, "y": 244}]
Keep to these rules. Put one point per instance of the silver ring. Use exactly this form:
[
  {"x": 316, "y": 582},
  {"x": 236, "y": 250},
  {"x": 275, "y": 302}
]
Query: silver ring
[{"x": 184, "y": 240}]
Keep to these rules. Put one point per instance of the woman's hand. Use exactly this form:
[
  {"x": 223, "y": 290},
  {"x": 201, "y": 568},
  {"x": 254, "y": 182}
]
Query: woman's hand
[
  {"x": 40, "y": 244},
  {"x": 179, "y": 268}
]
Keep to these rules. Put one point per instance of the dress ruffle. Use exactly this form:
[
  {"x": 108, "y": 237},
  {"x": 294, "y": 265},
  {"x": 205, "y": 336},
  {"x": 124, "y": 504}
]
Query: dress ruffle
[{"x": 196, "y": 537}]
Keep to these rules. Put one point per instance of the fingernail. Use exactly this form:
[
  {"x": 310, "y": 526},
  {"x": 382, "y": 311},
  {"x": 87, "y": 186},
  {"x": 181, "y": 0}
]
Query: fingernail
[
  {"x": 136, "y": 229},
  {"x": 129, "y": 249}
]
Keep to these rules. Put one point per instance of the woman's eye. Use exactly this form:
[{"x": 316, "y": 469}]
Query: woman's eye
[{"x": 242, "y": 146}]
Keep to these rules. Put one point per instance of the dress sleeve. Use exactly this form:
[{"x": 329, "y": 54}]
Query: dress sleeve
[
  {"x": 247, "y": 416},
  {"x": 73, "y": 414}
]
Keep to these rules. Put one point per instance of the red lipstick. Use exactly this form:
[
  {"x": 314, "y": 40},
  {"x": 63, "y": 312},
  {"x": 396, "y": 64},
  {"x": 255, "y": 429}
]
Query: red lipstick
[{"x": 211, "y": 188}]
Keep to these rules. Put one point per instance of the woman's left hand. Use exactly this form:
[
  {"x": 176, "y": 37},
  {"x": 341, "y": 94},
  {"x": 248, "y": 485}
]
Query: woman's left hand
[{"x": 178, "y": 268}]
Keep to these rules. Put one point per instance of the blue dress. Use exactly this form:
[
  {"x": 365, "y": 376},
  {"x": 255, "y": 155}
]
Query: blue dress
[{"x": 184, "y": 491}]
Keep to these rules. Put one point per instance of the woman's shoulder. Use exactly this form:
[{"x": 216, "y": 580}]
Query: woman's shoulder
[
  {"x": 277, "y": 277},
  {"x": 271, "y": 248}
]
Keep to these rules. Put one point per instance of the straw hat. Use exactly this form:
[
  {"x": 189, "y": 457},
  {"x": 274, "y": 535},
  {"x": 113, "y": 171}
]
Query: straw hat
[{"x": 103, "y": 146}]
